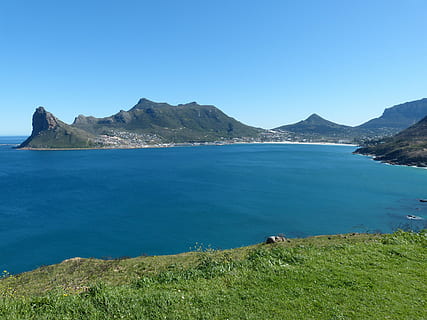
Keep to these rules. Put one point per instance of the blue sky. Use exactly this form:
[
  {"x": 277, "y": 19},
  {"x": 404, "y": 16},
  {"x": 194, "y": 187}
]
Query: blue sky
[{"x": 266, "y": 63}]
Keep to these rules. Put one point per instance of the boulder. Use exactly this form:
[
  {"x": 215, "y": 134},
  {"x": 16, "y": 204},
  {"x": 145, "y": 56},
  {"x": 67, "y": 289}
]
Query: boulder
[{"x": 274, "y": 239}]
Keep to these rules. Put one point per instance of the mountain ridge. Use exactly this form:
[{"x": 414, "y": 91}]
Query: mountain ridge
[
  {"x": 146, "y": 123},
  {"x": 399, "y": 116},
  {"x": 393, "y": 120},
  {"x": 149, "y": 123}
]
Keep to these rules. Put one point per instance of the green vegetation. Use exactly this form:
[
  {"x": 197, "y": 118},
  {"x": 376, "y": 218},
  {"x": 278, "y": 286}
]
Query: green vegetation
[
  {"x": 61, "y": 137},
  {"x": 338, "y": 277}
]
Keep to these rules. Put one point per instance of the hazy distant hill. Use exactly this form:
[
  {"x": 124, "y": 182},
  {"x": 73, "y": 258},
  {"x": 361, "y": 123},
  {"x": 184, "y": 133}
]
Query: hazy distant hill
[
  {"x": 409, "y": 147},
  {"x": 399, "y": 117},
  {"x": 146, "y": 123}
]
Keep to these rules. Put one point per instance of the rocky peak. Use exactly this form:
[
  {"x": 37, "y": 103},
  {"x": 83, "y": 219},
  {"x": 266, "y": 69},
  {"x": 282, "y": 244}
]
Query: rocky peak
[
  {"x": 144, "y": 101},
  {"x": 146, "y": 104},
  {"x": 43, "y": 120},
  {"x": 80, "y": 119},
  {"x": 314, "y": 118}
]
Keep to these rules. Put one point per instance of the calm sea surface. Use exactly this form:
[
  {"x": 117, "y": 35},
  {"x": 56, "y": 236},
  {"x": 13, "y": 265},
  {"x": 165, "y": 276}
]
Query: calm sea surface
[{"x": 56, "y": 205}]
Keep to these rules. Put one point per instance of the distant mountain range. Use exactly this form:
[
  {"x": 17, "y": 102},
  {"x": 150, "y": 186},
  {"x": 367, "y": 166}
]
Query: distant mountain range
[
  {"x": 398, "y": 117},
  {"x": 393, "y": 120},
  {"x": 147, "y": 123},
  {"x": 157, "y": 124}
]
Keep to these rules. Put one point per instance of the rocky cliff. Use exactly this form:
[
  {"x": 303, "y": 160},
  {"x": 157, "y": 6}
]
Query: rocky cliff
[{"x": 49, "y": 132}]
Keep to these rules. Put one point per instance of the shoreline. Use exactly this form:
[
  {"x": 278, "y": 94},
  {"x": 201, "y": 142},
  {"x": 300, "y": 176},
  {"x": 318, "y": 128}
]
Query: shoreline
[
  {"x": 188, "y": 145},
  {"x": 374, "y": 157}
]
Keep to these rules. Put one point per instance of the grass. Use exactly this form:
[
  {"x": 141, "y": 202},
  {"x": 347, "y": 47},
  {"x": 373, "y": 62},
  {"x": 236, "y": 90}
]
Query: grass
[{"x": 337, "y": 277}]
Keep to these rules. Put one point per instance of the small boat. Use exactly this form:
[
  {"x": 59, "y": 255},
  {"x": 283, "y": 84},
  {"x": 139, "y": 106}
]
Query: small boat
[
  {"x": 423, "y": 200},
  {"x": 412, "y": 217}
]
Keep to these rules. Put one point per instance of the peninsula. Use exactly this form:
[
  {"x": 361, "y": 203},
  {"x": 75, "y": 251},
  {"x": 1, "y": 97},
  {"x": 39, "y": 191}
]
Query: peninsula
[{"x": 146, "y": 124}]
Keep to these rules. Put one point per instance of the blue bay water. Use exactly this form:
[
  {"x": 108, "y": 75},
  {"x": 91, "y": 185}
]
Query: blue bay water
[{"x": 56, "y": 205}]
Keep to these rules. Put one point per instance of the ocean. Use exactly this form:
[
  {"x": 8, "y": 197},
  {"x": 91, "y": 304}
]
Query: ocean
[{"x": 56, "y": 205}]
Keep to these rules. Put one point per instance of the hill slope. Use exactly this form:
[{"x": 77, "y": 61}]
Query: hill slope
[
  {"x": 408, "y": 147},
  {"x": 336, "y": 277}
]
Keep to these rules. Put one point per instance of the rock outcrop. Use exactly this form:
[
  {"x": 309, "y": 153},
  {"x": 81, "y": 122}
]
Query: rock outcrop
[
  {"x": 49, "y": 132},
  {"x": 274, "y": 239},
  {"x": 43, "y": 120}
]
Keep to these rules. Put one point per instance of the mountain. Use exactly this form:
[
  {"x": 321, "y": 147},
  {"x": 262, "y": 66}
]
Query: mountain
[
  {"x": 49, "y": 132},
  {"x": 315, "y": 124},
  {"x": 318, "y": 129},
  {"x": 189, "y": 122},
  {"x": 392, "y": 121},
  {"x": 399, "y": 117},
  {"x": 146, "y": 123},
  {"x": 408, "y": 147}
]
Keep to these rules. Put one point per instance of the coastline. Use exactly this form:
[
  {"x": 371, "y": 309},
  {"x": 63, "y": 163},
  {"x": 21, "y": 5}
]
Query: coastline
[
  {"x": 306, "y": 143},
  {"x": 188, "y": 145},
  {"x": 390, "y": 162}
]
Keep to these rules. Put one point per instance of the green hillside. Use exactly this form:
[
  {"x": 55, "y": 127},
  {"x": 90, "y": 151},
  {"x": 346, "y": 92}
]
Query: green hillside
[
  {"x": 354, "y": 276},
  {"x": 182, "y": 123},
  {"x": 409, "y": 147}
]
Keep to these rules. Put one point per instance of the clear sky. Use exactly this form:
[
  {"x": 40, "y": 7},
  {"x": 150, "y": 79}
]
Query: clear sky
[{"x": 265, "y": 63}]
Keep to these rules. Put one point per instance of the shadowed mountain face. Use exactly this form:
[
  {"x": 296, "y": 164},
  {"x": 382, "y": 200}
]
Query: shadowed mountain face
[
  {"x": 399, "y": 117},
  {"x": 147, "y": 122},
  {"x": 409, "y": 147}
]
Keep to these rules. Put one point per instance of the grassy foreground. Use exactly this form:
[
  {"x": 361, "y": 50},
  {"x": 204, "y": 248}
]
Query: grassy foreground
[{"x": 337, "y": 277}]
